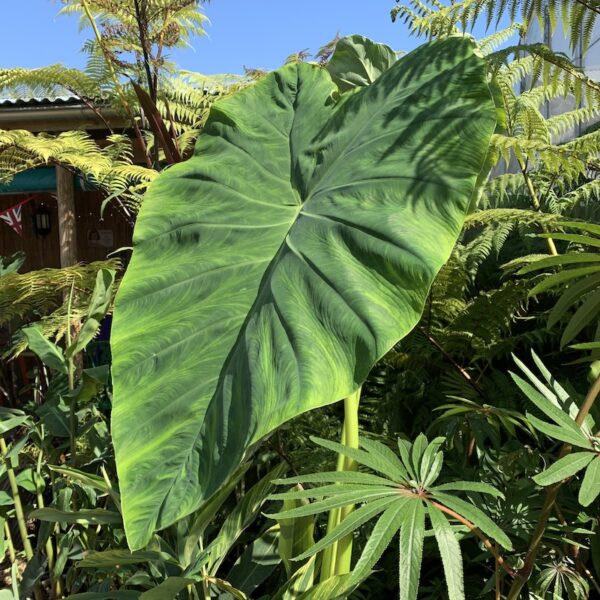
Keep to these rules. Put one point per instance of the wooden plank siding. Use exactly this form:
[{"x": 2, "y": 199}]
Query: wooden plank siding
[{"x": 43, "y": 251}]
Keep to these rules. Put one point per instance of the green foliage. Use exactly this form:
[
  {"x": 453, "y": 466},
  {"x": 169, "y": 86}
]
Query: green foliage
[
  {"x": 358, "y": 61},
  {"x": 43, "y": 296},
  {"x": 318, "y": 273},
  {"x": 506, "y": 288},
  {"x": 552, "y": 400},
  {"x": 399, "y": 500},
  {"x": 432, "y": 17}
]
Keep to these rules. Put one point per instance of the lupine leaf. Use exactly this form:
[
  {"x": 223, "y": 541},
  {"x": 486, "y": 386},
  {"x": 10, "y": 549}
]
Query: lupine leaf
[
  {"x": 352, "y": 522},
  {"x": 334, "y": 489},
  {"x": 412, "y": 535},
  {"x": 469, "y": 486},
  {"x": 564, "y": 468},
  {"x": 418, "y": 448},
  {"x": 590, "y": 486},
  {"x": 476, "y": 516},
  {"x": 372, "y": 460},
  {"x": 336, "y": 501},
  {"x": 450, "y": 553},
  {"x": 560, "y": 433},
  {"x": 396, "y": 470},
  {"x": 547, "y": 407},
  {"x": 335, "y": 477},
  {"x": 383, "y": 532}
]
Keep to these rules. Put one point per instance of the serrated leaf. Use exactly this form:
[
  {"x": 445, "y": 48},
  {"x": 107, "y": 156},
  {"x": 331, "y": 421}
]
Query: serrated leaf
[
  {"x": 450, "y": 553},
  {"x": 334, "y": 489},
  {"x": 476, "y": 516},
  {"x": 404, "y": 448},
  {"x": 336, "y": 501},
  {"x": 396, "y": 470},
  {"x": 412, "y": 535},
  {"x": 336, "y": 477},
  {"x": 430, "y": 457},
  {"x": 590, "y": 486},
  {"x": 352, "y": 522},
  {"x": 372, "y": 460},
  {"x": 295, "y": 535},
  {"x": 385, "y": 529},
  {"x": 418, "y": 448},
  {"x": 469, "y": 486},
  {"x": 564, "y": 468}
]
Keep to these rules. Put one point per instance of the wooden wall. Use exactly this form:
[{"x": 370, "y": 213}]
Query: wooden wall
[{"x": 43, "y": 251}]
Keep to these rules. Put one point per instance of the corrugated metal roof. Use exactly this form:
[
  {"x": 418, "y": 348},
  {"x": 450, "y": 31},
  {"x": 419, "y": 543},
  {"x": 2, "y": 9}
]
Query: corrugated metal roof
[{"x": 40, "y": 101}]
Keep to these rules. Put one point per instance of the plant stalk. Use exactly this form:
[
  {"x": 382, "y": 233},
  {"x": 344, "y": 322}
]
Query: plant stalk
[
  {"x": 19, "y": 513},
  {"x": 48, "y": 546},
  {"x": 115, "y": 78},
  {"x": 71, "y": 383},
  {"x": 474, "y": 529},
  {"x": 536, "y": 203},
  {"x": 551, "y": 494},
  {"x": 343, "y": 559},
  {"x": 338, "y": 556},
  {"x": 9, "y": 542}
]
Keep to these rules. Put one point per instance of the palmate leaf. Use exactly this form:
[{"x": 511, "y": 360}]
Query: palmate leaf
[
  {"x": 272, "y": 269},
  {"x": 397, "y": 506},
  {"x": 375, "y": 458},
  {"x": 550, "y": 409},
  {"x": 475, "y": 516}
]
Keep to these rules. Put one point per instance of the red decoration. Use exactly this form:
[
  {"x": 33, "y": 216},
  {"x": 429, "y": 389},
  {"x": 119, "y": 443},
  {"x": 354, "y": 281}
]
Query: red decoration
[{"x": 13, "y": 216}]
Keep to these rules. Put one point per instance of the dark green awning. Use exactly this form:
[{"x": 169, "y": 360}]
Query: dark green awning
[{"x": 35, "y": 180}]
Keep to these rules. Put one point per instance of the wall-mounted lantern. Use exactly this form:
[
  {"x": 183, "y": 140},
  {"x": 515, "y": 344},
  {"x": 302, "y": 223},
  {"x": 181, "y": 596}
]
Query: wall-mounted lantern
[{"x": 41, "y": 221}]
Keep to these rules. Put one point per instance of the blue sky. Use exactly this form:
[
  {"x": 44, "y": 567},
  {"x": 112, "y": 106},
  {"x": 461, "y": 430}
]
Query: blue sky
[{"x": 257, "y": 33}]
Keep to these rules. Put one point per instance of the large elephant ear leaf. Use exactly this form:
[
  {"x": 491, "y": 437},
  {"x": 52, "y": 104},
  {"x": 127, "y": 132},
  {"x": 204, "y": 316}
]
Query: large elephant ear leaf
[
  {"x": 358, "y": 61},
  {"x": 274, "y": 267}
]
